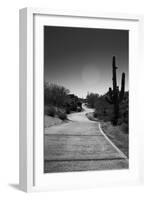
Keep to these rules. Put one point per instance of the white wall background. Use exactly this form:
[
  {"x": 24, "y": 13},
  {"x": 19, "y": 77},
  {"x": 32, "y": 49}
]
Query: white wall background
[{"x": 9, "y": 99}]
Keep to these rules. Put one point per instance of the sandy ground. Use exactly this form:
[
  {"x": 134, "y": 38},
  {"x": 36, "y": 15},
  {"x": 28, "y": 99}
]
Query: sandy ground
[
  {"x": 51, "y": 121},
  {"x": 79, "y": 146}
]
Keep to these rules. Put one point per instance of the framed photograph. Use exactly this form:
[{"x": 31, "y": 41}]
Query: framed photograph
[{"x": 79, "y": 126}]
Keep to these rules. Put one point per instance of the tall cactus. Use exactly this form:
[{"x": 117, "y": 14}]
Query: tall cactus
[{"x": 115, "y": 96}]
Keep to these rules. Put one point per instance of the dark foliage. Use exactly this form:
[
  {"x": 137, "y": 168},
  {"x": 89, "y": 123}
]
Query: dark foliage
[
  {"x": 79, "y": 109},
  {"x": 105, "y": 111},
  {"x": 57, "y": 98},
  {"x": 62, "y": 116},
  {"x": 55, "y": 95},
  {"x": 67, "y": 109},
  {"x": 92, "y": 99},
  {"x": 50, "y": 111}
]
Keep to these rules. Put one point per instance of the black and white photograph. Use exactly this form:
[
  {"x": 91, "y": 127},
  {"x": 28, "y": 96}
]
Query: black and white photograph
[{"x": 86, "y": 99}]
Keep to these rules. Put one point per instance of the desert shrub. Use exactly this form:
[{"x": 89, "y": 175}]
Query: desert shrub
[
  {"x": 62, "y": 116},
  {"x": 95, "y": 115},
  {"x": 124, "y": 127},
  {"x": 67, "y": 110},
  {"x": 73, "y": 107},
  {"x": 55, "y": 95},
  {"x": 50, "y": 111},
  {"x": 126, "y": 116},
  {"x": 92, "y": 99},
  {"x": 103, "y": 110},
  {"x": 59, "y": 97},
  {"x": 79, "y": 104},
  {"x": 120, "y": 121},
  {"x": 79, "y": 109}
]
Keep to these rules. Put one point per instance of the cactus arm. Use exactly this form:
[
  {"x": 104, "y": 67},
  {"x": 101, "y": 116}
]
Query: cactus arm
[
  {"x": 110, "y": 94},
  {"x": 114, "y": 79},
  {"x": 121, "y": 95}
]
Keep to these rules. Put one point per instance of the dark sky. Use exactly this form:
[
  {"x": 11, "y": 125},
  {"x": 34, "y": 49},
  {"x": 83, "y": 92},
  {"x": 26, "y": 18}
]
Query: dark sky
[{"x": 81, "y": 59}]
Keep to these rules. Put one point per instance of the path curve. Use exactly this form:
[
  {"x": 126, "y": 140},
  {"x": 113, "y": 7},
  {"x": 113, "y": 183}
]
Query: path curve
[{"x": 81, "y": 116}]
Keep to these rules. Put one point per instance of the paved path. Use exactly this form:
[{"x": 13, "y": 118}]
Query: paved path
[{"x": 80, "y": 145}]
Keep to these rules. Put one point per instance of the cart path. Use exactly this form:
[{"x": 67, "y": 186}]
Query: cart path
[{"x": 80, "y": 145}]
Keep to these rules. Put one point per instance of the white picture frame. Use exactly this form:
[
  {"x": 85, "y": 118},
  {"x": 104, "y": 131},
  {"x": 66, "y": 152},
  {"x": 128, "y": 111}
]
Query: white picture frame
[{"x": 31, "y": 104}]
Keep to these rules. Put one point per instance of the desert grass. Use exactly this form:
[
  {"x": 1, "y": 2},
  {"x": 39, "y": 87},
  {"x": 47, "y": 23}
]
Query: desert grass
[
  {"x": 52, "y": 121},
  {"x": 117, "y": 136}
]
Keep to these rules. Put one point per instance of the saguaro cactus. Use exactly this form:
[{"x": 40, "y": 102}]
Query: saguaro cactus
[{"x": 115, "y": 96}]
